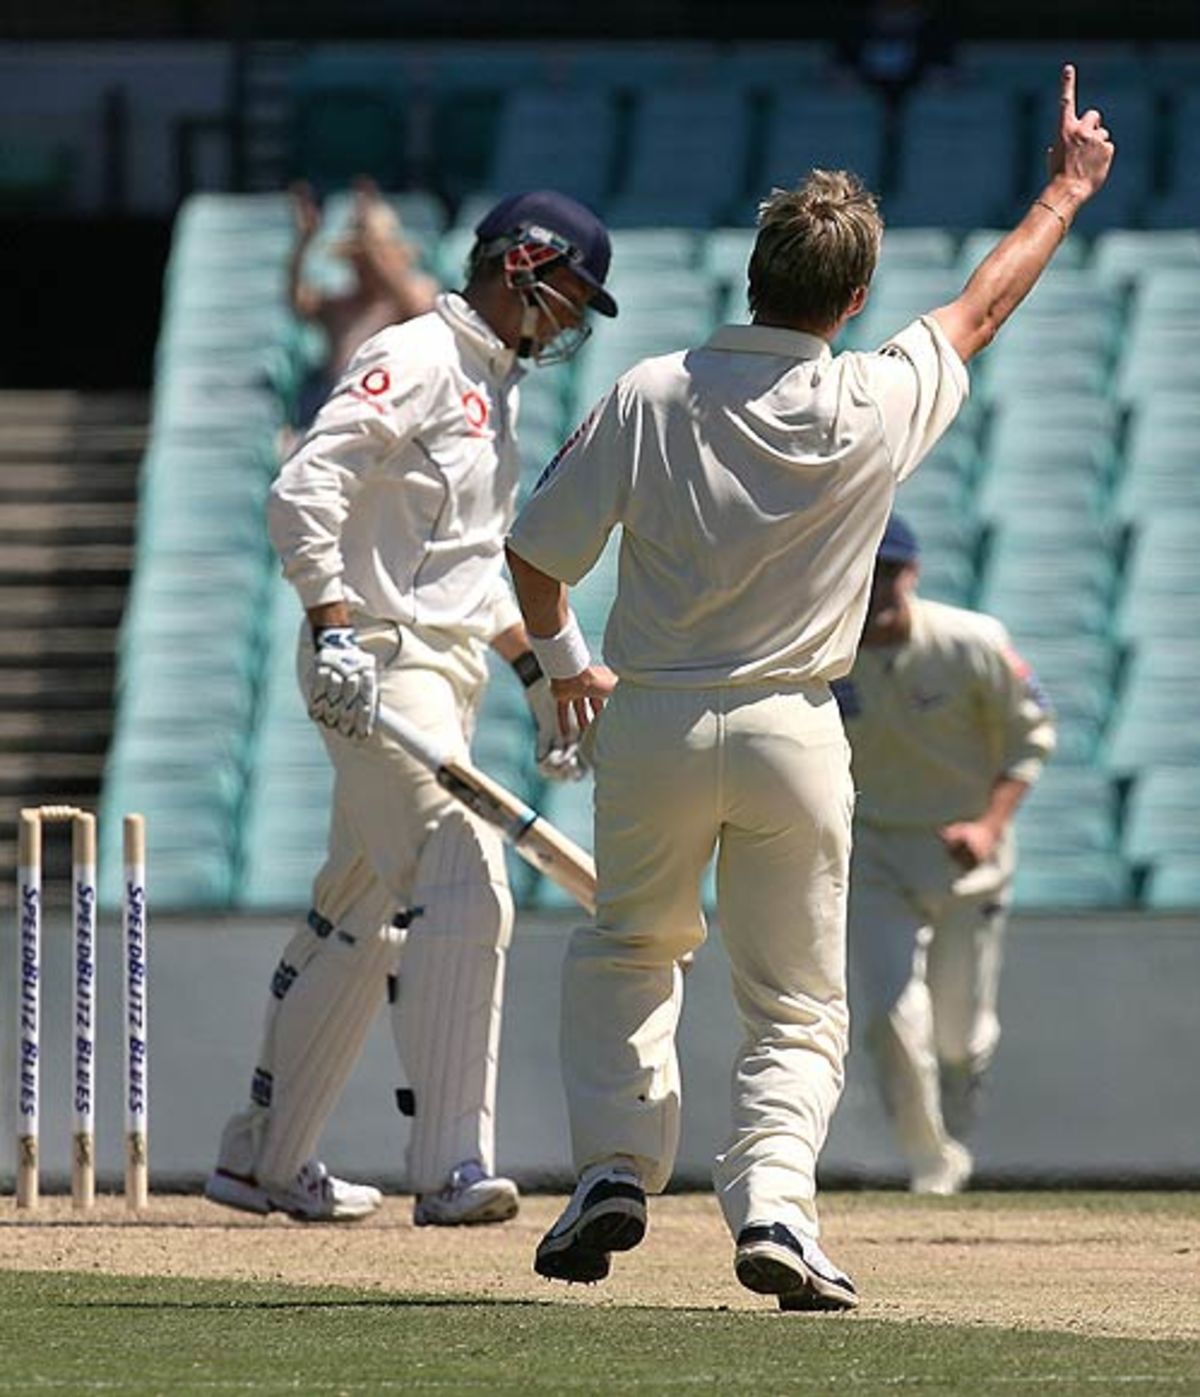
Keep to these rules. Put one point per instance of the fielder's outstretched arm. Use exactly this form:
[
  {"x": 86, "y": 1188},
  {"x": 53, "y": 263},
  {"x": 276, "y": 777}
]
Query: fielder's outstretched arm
[{"x": 1079, "y": 162}]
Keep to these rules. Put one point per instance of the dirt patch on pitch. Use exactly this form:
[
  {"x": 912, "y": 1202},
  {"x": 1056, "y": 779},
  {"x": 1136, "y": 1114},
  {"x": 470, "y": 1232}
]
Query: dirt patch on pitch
[{"x": 1129, "y": 1269}]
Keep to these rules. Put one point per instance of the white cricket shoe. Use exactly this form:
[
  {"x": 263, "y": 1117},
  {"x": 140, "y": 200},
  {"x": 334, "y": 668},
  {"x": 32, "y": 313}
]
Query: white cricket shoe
[
  {"x": 606, "y": 1213},
  {"x": 948, "y": 1176},
  {"x": 774, "y": 1259},
  {"x": 315, "y": 1195},
  {"x": 469, "y": 1198}
]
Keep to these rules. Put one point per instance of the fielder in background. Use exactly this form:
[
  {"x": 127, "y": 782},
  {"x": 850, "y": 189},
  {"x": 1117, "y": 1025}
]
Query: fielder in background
[
  {"x": 948, "y": 729},
  {"x": 390, "y": 521},
  {"x": 752, "y": 479}
]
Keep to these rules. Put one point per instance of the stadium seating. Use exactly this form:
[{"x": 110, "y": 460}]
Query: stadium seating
[
  {"x": 833, "y": 130},
  {"x": 687, "y": 159},
  {"x": 970, "y": 132},
  {"x": 1064, "y": 500},
  {"x": 572, "y": 133}
]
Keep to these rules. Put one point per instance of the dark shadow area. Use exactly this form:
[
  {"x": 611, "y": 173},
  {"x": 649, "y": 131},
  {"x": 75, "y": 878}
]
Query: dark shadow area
[{"x": 83, "y": 299}]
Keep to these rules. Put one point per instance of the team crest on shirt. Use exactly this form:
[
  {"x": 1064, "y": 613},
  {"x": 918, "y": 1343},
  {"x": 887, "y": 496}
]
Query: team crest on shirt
[
  {"x": 1025, "y": 673},
  {"x": 476, "y": 411},
  {"x": 371, "y": 388}
]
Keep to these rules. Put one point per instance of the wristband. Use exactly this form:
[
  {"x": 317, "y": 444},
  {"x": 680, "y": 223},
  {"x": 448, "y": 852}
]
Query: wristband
[
  {"x": 527, "y": 669},
  {"x": 564, "y": 655},
  {"x": 335, "y": 637}
]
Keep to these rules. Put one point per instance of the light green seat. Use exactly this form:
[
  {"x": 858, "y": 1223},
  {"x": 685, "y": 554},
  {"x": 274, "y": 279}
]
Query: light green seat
[
  {"x": 948, "y": 577},
  {"x": 687, "y": 158},
  {"x": 976, "y": 244},
  {"x": 1158, "y": 356},
  {"x": 811, "y": 126},
  {"x": 1071, "y": 808},
  {"x": 1165, "y": 296},
  {"x": 1014, "y": 570},
  {"x": 1061, "y": 881},
  {"x": 897, "y": 298},
  {"x": 1162, "y": 424},
  {"x": 564, "y": 137},
  {"x": 1153, "y": 726},
  {"x": 1160, "y": 612},
  {"x": 278, "y": 879},
  {"x": 1124, "y": 255},
  {"x": 915, "y": 247},
  {"x": 1018, "y": 372},
  {"x": 232, "y": 214},
  {"x": 655, "y": 249},
  {"x": 1174, "y": 884},
  {"x": 1058, "y": 613},
  {"x": 1168, "y": 485},
  {"x": 1011, "y": 496},
  {"x": 450, "y": 256},
  {"x": 725, "y": 259},
  {"x": 1162, "y": 815},
  {"x": 1163, "y": 659}
]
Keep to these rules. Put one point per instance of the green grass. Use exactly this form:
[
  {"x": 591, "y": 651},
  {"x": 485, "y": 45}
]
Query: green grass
[{"x": 71, "y": 1333}]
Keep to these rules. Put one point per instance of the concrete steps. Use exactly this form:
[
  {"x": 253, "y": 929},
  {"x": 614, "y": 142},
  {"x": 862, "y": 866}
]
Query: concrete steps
[{"x": 69, "y": 467}]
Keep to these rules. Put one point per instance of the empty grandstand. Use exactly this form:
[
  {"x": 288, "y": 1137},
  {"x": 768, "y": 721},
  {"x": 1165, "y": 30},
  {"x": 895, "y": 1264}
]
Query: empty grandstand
[{"x": 1065, "y": 500}]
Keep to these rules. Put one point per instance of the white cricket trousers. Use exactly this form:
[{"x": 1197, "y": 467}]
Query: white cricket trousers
[
  {"x": 762, "y": 776},
  {"x": 926, "y": 945},
  {"x": 397, "y": 841}
]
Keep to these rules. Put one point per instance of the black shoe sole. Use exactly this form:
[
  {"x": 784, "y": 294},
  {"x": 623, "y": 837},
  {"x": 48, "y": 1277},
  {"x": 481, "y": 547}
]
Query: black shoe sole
[
  {"x": 582, "y": 1254},
  {"x": 767, "y": 1271}
]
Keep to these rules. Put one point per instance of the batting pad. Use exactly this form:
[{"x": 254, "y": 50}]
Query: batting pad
[
  {"x": 324, "y": 994},
  {"x": 446, "y": 1013}
]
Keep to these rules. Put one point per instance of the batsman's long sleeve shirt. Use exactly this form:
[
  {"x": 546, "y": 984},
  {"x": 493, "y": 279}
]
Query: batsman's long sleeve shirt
[
  {"x": 934, "y": 722},
  {"x": 752, "y": 478},
  {"x": 399, "y": 497}
]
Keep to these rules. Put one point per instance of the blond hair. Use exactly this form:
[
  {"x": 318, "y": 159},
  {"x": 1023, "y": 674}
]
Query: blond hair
[{"x": 816, "y": 245}]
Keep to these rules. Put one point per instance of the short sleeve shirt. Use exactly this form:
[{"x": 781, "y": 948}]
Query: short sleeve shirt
[{"x": 752, "y": 479}]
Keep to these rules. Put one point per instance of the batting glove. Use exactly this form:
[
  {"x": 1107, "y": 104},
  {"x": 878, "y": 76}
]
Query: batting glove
[
  {"x": 343, "y": 685},
  {"x": 558, "y": 757}
]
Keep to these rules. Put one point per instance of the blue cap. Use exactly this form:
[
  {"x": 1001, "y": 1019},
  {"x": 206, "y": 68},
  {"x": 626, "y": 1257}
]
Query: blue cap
[
  {"x": 899, "y": 543},
  {"x": 584, "y": 238}
]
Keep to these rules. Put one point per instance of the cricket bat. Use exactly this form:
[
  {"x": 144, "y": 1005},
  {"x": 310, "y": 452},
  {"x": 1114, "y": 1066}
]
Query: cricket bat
[{"x": 534, "y": 838}]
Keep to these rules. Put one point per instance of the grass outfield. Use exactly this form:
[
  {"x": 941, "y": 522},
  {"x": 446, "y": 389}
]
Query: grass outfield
[
  {"x": 142, "y": 1336},
  {"x": 992, "y": 1293}
]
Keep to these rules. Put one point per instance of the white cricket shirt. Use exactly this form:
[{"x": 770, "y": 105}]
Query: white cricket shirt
[
  {"x": 934, "y": 722},
  {"x": 399, "y": 497},
  {"x": 752, "y": 478}
]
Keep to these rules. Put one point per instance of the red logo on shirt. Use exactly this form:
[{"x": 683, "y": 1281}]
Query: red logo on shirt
[
  {"x": 376, "y": 381},
  {"x": 476, "y": 409},
  {"x": 1020, "y": 667}
]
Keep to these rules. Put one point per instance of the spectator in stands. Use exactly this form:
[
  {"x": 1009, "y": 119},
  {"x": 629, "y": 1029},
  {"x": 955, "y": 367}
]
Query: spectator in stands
[
  {"x": 389, "y": 287},
  {"x": 894, "y": 44},
  {"x": 752, "y": 478},
  {"x": 389, "y": 520},
  {"x": 948, "y": 729}
]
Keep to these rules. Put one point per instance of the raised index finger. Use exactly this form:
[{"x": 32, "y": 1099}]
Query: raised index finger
[{"x": 1066, "y": 99}]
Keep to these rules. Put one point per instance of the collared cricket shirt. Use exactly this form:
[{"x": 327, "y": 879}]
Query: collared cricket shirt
[
  {"x": 934, "y": 722},
  {"x": 399, "y": 497},
  {"x": 752, "y": 478}
]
